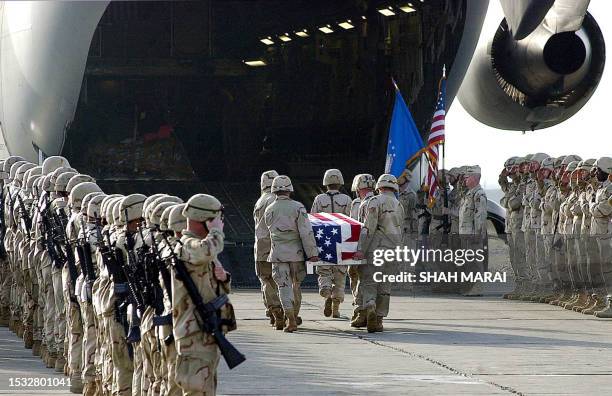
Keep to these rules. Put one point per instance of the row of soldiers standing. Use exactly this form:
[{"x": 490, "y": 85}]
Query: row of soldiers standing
[
  {"x": 559, "y": 226},
  {"x": 105, "y": 288},
  {"x": 388, "y": 209}
]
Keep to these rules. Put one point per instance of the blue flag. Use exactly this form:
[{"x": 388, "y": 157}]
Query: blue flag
[{"x": 404, "y": 138}]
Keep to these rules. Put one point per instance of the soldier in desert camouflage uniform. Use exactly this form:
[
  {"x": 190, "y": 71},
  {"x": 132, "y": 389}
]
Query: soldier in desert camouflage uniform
[
  {"x": 263, "y": 268},
  {"x": 332, "y": 278},
  {"x": 292, "y": 239}
]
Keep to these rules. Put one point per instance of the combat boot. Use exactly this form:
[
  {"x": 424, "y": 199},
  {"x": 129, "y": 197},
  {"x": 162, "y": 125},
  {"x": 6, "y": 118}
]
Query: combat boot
[
  {"x": 372, "y": 320},
  {"x": 291, "y": 322},
  {"x": 89, "y": 389},
  {"x": 298, "y": 320},
  {"x": 360, "y": 319},
  {"x": 580, "y": 301},
  {"x": 379, "y": 324},
  {"x": 270, "y": 316},
  {"x": 51, "y": 360},
  {"x": 279, "y": 318},
  {"x": 59, "y": 364},
  {"x": 36, "y": 348},
  {"x": 607, "y": 311},
  {"x": 597, "y": 305},
  {"x": 335, "y": 308},
  {"x": 327, "y": 310},
  {"x": 587, "y": 303},
  {"x": 573, "y": 297},
  {"x": 19, "y": 328},
  {"x": 11, "y": 325},
  {"x": 76, "y": 383},
  {"x": 28, "y": 339}
]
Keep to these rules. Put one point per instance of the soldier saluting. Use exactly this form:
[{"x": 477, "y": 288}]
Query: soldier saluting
[{"x": 197, "y": 351}]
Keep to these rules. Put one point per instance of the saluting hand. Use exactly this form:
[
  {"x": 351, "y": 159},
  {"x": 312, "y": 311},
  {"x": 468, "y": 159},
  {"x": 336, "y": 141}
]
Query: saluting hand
[
  {"x": 215, "y": 223},
  {"x": 220, "y": 273}
]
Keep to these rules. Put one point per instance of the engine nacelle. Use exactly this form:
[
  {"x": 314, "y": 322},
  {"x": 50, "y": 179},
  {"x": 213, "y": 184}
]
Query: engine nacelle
[{"x": 536, "y": 82}]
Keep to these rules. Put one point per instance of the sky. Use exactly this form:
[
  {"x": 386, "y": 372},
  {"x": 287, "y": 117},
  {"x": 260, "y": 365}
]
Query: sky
[{"x": 587, "y": 133}]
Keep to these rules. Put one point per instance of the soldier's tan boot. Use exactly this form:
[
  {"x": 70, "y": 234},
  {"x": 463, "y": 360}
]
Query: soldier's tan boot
[
  {"x": 4, "y": 317},
  {"x": 76, "y": 383},
  {"x": 279, "y": 318},
  {"x": 28, "y": 339},
  {"x": 298, "y": 320},
  {"x": 89, "y": 389},
  {"x": 19, "y": 330},
  {"x": 379, "y": 324},
  {"x": 598, "y": 304},
  {"x": 327, "y": 310},
  {"x": 360, "y": 320},
  {"x": 60, "y": 362},
  {"x": 605, "y": 313},
  {"x": 291, "y": 322},
  {"x": 51, "y": 360},
  {"x": 270, "y": 316},
  {"x": 335, "y": 308},
  {"x": 36, "y": 348},
  {"x": 372, "y": 319}
]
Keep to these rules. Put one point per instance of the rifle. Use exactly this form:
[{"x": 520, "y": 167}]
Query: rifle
[
  {"x": 25, "y": 217},
  {"x": 88, "y": 265},
  {"x": 60, "y": 238},
  {"x": 47, "y": 232},
  {"x": 207, "y": 315},
  {"x": 2, "y": 225}
]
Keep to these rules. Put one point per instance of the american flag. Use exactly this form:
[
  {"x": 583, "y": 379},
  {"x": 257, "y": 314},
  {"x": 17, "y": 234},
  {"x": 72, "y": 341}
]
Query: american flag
[
  {"x": 436, "y": 137},
  {"x": 337, "y": 236}
]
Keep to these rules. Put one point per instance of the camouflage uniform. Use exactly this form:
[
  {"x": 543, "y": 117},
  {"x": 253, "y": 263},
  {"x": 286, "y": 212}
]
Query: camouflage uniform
[
  {"x": 263, "y": 268},
  {"x": 473, "y": 223},
  {"x": 197, "y": 353},
  {"x": 292, "y": 239},
  {"x": 382, "y": 229}
]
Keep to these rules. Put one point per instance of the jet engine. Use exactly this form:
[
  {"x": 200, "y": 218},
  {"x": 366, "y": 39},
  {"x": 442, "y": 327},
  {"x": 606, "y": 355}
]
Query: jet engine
[{"x": 535, "y": 82}]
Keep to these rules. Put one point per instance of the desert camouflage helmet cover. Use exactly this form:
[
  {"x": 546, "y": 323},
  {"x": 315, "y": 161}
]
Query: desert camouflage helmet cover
[
  {"x": 177, "y": 222},
  {"x": 365, "y": 181},
  {"x": 78, "y": 179},
  {"x": 387, "y": 180},
  {"x": 131, "y": 206},
  {"x": 52, "y": 163},
  {"x": 548, "y": 163},
  {"x": 75, "y": 199},
  {"x": 405, "y": 177},
  {"x": 605, "y": 164},
  {"x": 281, "y": 183},
  {"x": 333, "y": 176},
  {"x": 61, "y": 182},
  {"x": 266, "y": 179},
  {"x": 570, "y": 158},
  {"x": 202, "y": 207},
  {"x": 95, "y": 206}
]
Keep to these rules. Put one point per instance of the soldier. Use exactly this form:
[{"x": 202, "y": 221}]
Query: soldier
[
  {"x": 547, "y": 192},
  {"x": 563, "y": 262},
  {"x": 473, "y": 220},
  {"x": 128, "y": 243},
  {"x": 580, "y": 233},
  {"x": 200, "y": 244},
  {"x": 531, "y": 222},
  {"x": 364, "y": 186},
  {"x": 352, "y": 269},
  {"x": 535, "y": 221},
  {"x": 332, "y": 278},
  {"x": 176, "y": 223},
  {"x": 292, "y": 239},
  {"x": 509, "y": 188},
  {"x": 263, "y": 269},
  {"x": 382, "y": 229},
  {"x": 408, "y": 199},
  {"x": 601, "y": 210}
]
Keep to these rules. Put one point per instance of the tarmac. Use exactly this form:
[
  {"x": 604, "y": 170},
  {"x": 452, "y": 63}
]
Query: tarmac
[{"x": 431, "y": 345}]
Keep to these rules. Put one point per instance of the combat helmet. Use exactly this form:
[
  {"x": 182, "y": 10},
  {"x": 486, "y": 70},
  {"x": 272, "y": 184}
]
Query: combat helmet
[
  {"x": 165, "y": 216},
  {"x": 78, "y": 179},
  {"x": 79, "y": 192},
  {"x": 202, "y": 207},
  {"x": 266, "y": 179},
  {"x": 14, "y": 168},
  {"x": 281, "y": 183},
  {"x": 365, "y": 180},
  {"x": 8, "y": 163},
  {"x": 354, "y": 184},
  {"x": 333, "y": 176},
  {"x": 95, "y": 206},
  {"x": 158, "y": 210},
  {"x": 548, "y": 163},
  {"x": 131, "y": 206},
  {"x": 177, "y": 222},
  {"x": 387, "y": 180},
  {"x": 87, "y": 199},
  {"x": 52, "y": 163},
  {"x": 61, "y": 182},
  {"x": 570, "y": 158},
  {"x": 605, "y": 164},
  {"x": 586, "y": 164}
]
